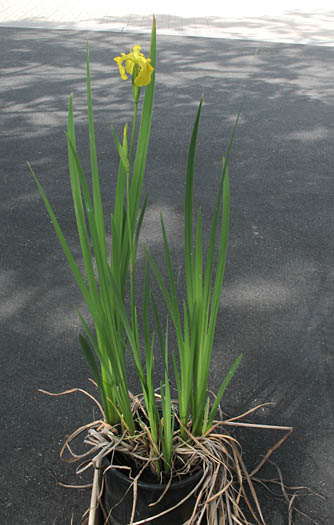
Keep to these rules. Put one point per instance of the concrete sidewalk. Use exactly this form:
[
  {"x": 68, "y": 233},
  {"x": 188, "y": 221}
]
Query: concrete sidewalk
[{"x": 297, "y": 21}]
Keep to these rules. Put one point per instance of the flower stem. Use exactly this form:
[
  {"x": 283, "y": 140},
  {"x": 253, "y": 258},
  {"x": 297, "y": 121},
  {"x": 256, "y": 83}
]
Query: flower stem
[{"x": 133, "y": 130}]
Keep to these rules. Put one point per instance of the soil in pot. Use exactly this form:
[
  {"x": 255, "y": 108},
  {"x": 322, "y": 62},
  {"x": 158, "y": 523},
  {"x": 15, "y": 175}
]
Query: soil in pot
[{"x": 116, "y": 497}]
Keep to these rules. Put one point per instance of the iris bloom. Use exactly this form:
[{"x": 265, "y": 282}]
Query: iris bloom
[{"x": 136, "y": 65}]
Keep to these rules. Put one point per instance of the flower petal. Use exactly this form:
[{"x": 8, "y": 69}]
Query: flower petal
[
  {"x": 129, "y": 64},
  {"x": 137, "y": 65},
  {"x": 136, "y": 48},
  {"x": 119, "y": 61},
  {"x": 144, "y": 76}
]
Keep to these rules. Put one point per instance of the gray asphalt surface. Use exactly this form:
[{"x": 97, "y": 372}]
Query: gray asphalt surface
[{"x": 277, "y": 306}]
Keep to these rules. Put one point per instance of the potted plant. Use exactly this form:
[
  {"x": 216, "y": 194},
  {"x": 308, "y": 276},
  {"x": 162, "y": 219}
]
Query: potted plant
[{"x": 156, "y": 458}]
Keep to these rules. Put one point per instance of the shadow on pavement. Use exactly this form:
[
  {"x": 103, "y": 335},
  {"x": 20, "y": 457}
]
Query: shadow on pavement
[{"x": 277, "y": 303}]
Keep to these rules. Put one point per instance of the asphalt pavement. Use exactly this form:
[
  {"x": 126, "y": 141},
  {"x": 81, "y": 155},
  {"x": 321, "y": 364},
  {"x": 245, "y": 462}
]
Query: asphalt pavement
[{"x": 277, "y": 305}]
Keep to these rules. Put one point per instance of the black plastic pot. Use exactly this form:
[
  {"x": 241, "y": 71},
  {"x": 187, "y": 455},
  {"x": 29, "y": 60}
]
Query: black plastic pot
[{"x": 116, "y": 483}]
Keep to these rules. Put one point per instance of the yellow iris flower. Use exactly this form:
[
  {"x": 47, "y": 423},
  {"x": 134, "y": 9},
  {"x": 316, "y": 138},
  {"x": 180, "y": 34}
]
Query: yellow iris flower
[{"x": 135, "y": 63}]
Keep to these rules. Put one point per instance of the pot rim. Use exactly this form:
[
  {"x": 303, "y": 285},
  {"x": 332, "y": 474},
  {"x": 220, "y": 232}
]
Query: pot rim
[{"x": 191, "y": 477}]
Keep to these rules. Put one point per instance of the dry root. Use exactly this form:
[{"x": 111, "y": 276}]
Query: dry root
[{"x": 226, "y": 492}]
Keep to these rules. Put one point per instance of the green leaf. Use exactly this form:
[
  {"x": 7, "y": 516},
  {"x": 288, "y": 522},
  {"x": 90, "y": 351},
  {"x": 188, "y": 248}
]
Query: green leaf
[
  {"x": 97, "y": 200},
  {"x": 73, "y": 265},
  {"x": 221, "y": 391},
  {"x": 122, "y": 150},
  {"x": 89, "y": 355},
  {"x": 144, "y": 134},
  {"x": 188, "y": 210}
]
